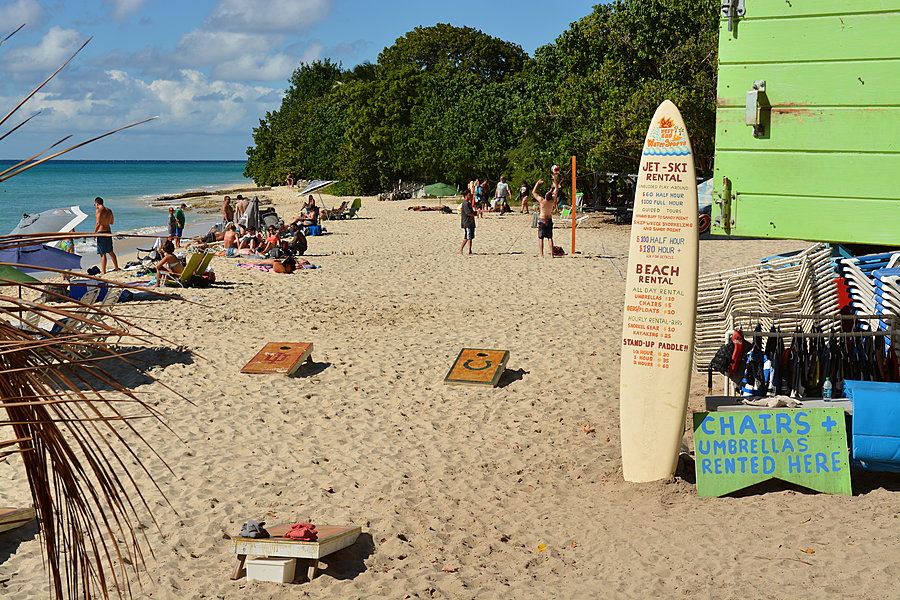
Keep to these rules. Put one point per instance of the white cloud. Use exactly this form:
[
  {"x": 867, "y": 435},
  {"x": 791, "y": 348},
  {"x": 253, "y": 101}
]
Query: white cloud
[
  {"x": 122, "y": 9},
  {"x": 13, "y": 14},
  {"x": 54, "y": 49},
  {"x": 190, "y": 102},
  {"x": 211, "y": 47},
  {"x": 267, "y": 15},
  {"x": 262, "y": 67}
]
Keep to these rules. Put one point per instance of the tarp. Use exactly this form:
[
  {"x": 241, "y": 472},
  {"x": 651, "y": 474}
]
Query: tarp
[
  {"x": 441, "y": 190},
  {"x": 55, "y": 220},
  {"x": 314, "y": 186}
]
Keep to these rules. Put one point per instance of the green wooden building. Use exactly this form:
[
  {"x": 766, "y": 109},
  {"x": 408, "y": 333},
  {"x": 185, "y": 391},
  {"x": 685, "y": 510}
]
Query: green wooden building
[{"x": 808, "y": 120}]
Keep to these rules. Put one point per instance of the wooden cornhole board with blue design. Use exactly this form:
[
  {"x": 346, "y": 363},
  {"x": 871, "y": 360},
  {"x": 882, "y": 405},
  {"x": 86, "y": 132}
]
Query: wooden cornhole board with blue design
[
  {"x": 476, "y": 366},
  {"x": 279, "y": 357},
  {"x": 10, "y": 518}
]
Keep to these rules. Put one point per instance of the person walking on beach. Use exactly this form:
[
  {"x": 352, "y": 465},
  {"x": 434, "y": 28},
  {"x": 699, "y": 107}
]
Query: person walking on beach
[
  {"x": 227, "y": 210},
  {"x": 179, "y": 230},
  {"x": 523, "y": 196},
  {"x": 546, "y": 204},
  {"x": 468, "y": 213},
  {"x": 104, "y": 224},
  {"x": 501, "y": 195}
]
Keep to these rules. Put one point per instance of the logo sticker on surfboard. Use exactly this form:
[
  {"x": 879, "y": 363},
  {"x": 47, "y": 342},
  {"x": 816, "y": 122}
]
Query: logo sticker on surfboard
[{"x": 660, "y": 302}]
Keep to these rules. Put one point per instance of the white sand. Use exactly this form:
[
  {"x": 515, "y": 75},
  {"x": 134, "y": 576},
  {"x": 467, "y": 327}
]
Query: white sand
[{"x": 460, "y": 477}]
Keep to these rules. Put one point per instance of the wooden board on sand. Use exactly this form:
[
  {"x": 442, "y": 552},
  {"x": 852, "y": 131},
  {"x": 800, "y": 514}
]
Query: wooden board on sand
[
  {"x": 279, "y": 357},
  {"x": 475, "y": 366},
  {"x": 10, "y": 518},
  {"x": 660, "y": 302}
]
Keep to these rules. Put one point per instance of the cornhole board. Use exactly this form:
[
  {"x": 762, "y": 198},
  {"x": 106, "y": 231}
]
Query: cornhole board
[
  {"x": 10, "y": 518},
  {"x": 279, "y": 357},
  {"x": 331, "y": 539},
  {"x": 660, "y": 302},
  {"x": 475, "y": 366}
]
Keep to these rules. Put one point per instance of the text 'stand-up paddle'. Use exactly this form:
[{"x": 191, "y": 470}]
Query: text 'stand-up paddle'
[
  {"x": 476, "y": 366},
  {"x": 660, "y": 302},
  {"x": 279, "y": 357}
]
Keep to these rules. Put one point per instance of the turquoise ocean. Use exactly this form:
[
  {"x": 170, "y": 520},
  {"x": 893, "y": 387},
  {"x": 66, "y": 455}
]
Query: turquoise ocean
[{"x": 126, "y": 186}]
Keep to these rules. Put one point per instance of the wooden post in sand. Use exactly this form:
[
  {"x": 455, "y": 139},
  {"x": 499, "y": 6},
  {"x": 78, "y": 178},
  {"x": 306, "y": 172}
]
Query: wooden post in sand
[{"x": 574, "y": 203}]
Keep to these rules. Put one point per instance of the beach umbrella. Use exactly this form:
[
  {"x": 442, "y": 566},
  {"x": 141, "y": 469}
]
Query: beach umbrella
[
  {"x": 55, "y": 220},
  {"x": 441, "y": 190},
  {"x": 250, "y": 218},
  {"x": 39, "y": 256},
  {"x": 315, "y": 186},
  {"x": 14, "y": 276}
]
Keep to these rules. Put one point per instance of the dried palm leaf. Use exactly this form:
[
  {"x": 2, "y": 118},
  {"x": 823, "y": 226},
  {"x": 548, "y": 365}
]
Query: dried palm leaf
[{"x": 72, "y": 425}]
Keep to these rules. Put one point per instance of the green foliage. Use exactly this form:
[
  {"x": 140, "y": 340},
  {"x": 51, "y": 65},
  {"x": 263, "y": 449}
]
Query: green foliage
[{"x": 450, "y": 104}]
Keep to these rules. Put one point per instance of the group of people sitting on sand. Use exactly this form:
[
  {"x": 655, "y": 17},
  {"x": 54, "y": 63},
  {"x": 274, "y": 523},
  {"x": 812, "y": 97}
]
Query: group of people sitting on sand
[{"x": 278, "y": 246}]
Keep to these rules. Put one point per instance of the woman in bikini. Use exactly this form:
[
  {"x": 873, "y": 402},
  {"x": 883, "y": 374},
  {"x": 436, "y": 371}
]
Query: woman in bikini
[{"x": 169, "y": 265}]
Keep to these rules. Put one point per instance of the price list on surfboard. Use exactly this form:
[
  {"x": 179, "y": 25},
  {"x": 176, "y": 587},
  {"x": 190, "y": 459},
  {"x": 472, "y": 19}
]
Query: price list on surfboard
[{"x": 660, "y": 257}]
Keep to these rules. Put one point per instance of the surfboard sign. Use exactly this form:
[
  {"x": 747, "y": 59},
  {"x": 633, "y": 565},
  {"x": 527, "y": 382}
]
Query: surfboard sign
[{"x": 660, "y": 302}]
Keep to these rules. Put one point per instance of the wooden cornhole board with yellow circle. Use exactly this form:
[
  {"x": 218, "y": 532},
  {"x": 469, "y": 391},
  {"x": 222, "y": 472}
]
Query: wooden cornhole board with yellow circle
[
  {"x": 279, "y": 357},
  {"x": 475, "y": 366}
]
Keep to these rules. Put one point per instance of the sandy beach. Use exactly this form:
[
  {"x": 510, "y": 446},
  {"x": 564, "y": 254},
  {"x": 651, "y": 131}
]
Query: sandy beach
[{"x": 461, "y": 492}]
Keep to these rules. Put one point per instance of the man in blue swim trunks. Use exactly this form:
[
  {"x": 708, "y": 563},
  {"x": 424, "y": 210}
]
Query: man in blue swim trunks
[{"x": 104, "y": 243}]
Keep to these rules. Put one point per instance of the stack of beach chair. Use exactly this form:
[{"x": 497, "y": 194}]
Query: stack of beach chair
[
  {"x": 793, "y": 284},
  {"x": 873, "y": 282}
]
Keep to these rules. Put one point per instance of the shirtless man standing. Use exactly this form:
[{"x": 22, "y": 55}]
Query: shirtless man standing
[
  {"x": 104, "y": 224},
  {"x": 545, "y": 219},
  {"x": 227, "y": 210}
]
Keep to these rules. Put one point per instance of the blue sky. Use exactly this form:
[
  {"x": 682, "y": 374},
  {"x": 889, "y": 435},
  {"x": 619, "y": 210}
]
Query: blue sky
[{"x": 209, "y": 68}]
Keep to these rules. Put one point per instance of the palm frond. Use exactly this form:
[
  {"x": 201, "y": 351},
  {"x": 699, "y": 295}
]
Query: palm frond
[{"x": 73, "y": 423}]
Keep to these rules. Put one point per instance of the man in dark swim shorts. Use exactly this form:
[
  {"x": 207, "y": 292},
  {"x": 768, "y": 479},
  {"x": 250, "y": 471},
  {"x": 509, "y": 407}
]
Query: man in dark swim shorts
[
  {"x": 546, "y": 204},
  {"x": 104, "y": 244}
]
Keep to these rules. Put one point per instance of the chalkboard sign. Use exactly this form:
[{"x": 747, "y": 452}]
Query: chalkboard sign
[{"x": 734, "y": 450}]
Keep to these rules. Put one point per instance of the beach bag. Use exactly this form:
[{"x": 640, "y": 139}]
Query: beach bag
[
  {"x": 253, "y": 529},
  {"x": 558, "y": 251},
  {"x": 198, "y": 281}
]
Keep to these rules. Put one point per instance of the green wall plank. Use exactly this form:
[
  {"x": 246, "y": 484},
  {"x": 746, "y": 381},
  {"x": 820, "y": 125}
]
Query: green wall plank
[
  {"x": 866, "y": 36},
  {"x": 765, "y": 9},
  {"x": 822, "y": 129},
  {"x": 853, "y": 83},
  {"x": 870, "y": 221},
  {"x": 844, "y": 175}
]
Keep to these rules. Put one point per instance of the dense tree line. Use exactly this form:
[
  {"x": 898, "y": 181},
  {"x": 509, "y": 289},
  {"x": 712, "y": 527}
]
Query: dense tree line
[{"x": 450, "y": 104}]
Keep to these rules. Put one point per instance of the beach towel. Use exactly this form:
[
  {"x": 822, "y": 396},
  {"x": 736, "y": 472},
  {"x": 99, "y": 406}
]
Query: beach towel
[{"x": 302, "y": 531}]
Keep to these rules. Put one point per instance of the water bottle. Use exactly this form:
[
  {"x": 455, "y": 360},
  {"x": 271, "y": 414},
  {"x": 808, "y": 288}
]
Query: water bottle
[{"x": 826, "y": 390}]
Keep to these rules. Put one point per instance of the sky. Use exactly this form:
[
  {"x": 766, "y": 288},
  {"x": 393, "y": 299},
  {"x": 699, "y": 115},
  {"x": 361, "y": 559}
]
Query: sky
[{"x": 210, "y": 69}]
